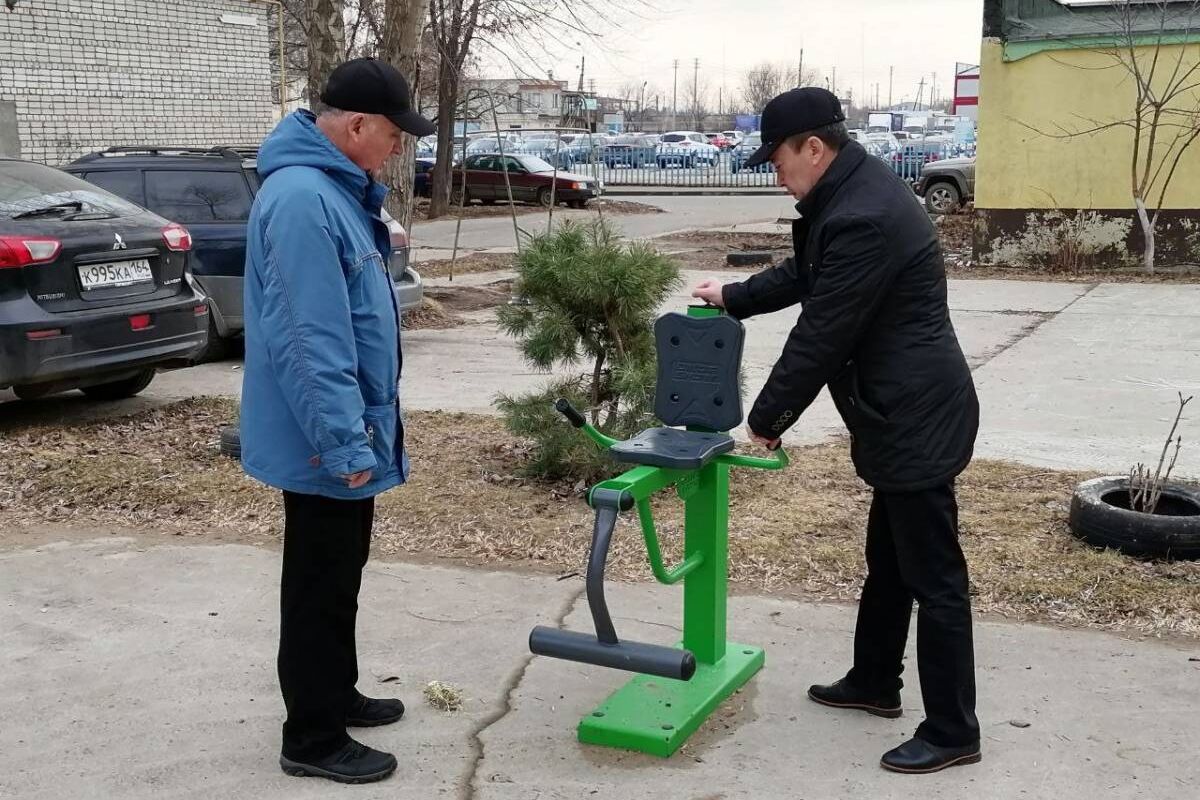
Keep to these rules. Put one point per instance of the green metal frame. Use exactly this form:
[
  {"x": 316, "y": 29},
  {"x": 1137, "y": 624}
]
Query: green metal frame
[{"x": 656, "y": 715}]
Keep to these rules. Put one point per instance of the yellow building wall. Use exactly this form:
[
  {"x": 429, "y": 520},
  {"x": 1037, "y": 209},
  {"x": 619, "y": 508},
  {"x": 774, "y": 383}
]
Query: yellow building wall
[{"x": 1018, "y": 168}]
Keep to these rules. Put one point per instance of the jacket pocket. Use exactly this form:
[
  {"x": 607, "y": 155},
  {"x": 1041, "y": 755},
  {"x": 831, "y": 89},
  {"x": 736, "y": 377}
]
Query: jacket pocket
[
  {"x": 863, "y": 409},
  {"x": 382, "y": 426}
]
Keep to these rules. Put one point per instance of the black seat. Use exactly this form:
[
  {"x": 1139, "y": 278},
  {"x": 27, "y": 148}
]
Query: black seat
[{"x": 672, "y": 448}]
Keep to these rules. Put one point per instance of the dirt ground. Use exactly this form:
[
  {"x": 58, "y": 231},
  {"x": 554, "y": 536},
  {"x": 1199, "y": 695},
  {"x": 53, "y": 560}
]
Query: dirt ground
[
  {"x": 798, "y": 532},
  {"x": 443, "y": 306}
]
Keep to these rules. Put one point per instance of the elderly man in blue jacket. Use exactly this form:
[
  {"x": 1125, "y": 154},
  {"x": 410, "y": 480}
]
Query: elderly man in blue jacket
[{"x": 320, "y": 415}]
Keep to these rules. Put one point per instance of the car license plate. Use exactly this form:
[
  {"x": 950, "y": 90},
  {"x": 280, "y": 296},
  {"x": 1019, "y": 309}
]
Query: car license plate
[{"x": 119, "y": 273}]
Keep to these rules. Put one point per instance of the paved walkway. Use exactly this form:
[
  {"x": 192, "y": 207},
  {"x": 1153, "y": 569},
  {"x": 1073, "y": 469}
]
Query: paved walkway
[{"x": 135, "y": 669}]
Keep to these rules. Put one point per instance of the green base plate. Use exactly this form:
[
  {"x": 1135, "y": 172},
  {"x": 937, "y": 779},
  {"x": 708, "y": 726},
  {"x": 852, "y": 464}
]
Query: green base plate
[{"x": 656, "y": 715}]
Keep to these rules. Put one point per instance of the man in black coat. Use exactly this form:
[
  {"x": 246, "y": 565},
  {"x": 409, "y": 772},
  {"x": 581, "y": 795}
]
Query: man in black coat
[{"x": 875, "y": 328}]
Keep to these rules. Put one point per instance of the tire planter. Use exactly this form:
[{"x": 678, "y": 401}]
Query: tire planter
[
  {"x": 1101, "y": 516},
  {"x": 231, "y": 442},
  {"x": 750, "y": 258}
]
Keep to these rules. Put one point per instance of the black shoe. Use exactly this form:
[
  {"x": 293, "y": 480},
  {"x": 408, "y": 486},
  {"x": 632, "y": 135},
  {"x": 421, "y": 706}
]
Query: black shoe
[
  {"x": 917, "y": 757},
  {"x": 354, "y": 763},
  {"x": 843, "y": 695},
  {"x": 369, "y": 712}
]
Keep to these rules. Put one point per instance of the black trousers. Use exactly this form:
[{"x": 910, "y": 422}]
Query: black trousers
[
  {"x": 325, "y": 546},
  {"x": 913, "y": 554}
]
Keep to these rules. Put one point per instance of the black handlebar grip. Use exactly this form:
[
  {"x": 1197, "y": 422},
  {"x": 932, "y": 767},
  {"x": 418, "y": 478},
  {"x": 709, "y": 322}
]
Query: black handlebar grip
[{"x": 567, "y": 410}]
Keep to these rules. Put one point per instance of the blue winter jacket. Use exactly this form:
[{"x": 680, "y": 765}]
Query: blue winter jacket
[{"x": 320, "y": 390}]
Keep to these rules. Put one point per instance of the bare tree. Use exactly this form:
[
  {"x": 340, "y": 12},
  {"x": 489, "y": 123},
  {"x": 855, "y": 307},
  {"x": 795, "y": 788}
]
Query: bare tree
[
  {"x": 403, "y": 23},
  {"x": 699, "y": 103},
  {"x": 766, "y": 80},
  {"x": 760, "y": 84},
  {"x": 516, "y": 31},
  {"x": 1164, "y": 121},
  {"x": 326, "y": 42}
]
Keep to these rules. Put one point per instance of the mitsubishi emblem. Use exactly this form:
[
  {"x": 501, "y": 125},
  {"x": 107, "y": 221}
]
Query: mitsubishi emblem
[{"x": 119, "y": 244}]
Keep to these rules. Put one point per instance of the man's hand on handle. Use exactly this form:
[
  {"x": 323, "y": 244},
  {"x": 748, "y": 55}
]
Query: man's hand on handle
[
  {"x": 710, "y": 291},
  {"x": 358, "y": 479},
  {"x": 770, "y": 444}
]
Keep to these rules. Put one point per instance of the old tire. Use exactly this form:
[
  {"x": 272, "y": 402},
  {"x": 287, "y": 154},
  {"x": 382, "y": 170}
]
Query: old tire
[
  {"x": 231, "y": 442},
  {"x": 122, "y": 389},
  {"x": 942, "y": 198},
  {"x": 1100, "y": 516},
  {"x": 750, "y": 259},
  {"x": 459, "y": 196}
]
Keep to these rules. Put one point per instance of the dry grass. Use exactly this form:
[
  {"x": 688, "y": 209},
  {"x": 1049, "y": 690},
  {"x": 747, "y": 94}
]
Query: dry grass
[
  {"x": 796, "y": 532},
  {"x": 467, "y": 263}
]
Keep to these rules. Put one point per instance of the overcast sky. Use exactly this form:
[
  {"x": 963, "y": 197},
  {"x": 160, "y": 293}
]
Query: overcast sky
[{"x": 861, "y": 38}]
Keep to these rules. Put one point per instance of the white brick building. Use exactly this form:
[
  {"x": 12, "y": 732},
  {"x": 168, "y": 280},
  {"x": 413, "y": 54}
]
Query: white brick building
[{"x": 82, "y": 75}]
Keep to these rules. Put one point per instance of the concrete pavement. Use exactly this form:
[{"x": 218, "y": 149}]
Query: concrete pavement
[{"x": 135, "y": 669}]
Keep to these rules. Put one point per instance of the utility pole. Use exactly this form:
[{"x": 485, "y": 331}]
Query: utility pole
[
  {"x": 933, "y": 92},
  {"x": 582, "y": 63},
  {"x": 920, "y": 95},
  {"x": 800, "y": 70},
  {"x": 834, "y": 89},
  {"x": 891, "y": 77},
  {"x": 696, "y": 91},
  {"x": 675, "y": 96}
]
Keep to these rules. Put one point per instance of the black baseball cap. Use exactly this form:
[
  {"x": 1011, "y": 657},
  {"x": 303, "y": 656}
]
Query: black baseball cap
[
  {"x": 795, "y": 111},
  {"x": 371, "y": 86}
]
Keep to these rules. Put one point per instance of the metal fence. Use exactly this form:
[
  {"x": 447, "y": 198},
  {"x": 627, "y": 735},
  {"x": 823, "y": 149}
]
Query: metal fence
[{"x": 642, "y": 160}]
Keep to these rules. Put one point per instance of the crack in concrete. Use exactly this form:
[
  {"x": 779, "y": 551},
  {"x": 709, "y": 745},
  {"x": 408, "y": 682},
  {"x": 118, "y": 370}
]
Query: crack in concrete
[
  {"x": 1029, "y": 330},
  {"x": 467, "y": 789}
]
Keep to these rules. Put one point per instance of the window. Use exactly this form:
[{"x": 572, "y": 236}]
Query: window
[
  {"x": 190, "y": 196},
  {"x": 26, "y": 186},
  {"x": 487, "y": 163},
  {"x": 122, "y": 183}
]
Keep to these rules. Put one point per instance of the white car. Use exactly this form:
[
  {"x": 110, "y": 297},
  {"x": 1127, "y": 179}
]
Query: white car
[{"x": 687, "y": 149}]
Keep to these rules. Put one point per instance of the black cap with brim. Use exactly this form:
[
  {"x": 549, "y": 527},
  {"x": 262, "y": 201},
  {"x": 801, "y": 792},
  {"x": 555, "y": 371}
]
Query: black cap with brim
[
  {"x": 370, "y": 86},
  {"x": 795, "y": 111}
]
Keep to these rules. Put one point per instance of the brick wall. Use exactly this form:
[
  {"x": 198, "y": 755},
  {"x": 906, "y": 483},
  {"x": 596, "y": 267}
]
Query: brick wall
[{"x": 89, "y": 74}]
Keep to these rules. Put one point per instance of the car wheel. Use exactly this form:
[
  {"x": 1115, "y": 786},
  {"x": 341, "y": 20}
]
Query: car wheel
[
  {"x": 942, "y": 198},
  {"x": 577, "y": 203},
  {"x": 488, "y": 202},
  {"x": 217, "y": 347},
  {"x": 543, "y": 197},
  {"x": 119, "y": 390}
]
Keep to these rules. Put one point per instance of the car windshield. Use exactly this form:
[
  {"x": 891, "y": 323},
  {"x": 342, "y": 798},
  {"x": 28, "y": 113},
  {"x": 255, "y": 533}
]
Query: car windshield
[
  {"x": 674, "y": 137},
  {"x": 535, "y": 164},
  {"x": 27, "y": 187}
]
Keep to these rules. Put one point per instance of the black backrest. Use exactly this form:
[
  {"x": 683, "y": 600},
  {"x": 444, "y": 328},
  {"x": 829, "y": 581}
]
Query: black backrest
[{"x": 698, "y": 363}]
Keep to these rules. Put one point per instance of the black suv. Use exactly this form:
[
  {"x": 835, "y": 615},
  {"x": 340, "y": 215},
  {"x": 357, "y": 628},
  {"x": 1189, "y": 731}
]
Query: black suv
[
  {"x": 94, "y": 291},
  {"x": 211, "y": 191}
]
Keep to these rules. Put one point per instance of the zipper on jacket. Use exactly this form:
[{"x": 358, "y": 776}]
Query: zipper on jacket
[{"x": 371, "y": 435}]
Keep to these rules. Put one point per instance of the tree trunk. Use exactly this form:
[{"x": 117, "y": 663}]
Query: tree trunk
[
  {"x": 401, "y": 47},
  {"x": 326, "y": 43},
  {"x": 1148, "y": 232},
  {"x": 439, "y": 180}
]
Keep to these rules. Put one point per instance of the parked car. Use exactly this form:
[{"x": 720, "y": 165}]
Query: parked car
[
  {"x": 548, "y": 147},
  {"x": 531, "y": 179},
  {"x": 687, "y": 149},
  {"x": 741, "y": 154},
  {"x": 947, "y": 184},
  {"x": 422, "y": 167},
  {"x": 719, "y": 141},
  {"x": 631, "y": 151},
  {"x": 881, "y": 144},
  {"x": 734, "y": 137},
  {"x": 95, "y": 292},
  {"x": 211, "y": 191},
  {"x": 492, "y": 144}
]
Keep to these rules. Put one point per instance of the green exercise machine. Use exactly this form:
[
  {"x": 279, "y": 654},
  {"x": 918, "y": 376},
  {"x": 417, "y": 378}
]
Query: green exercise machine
[{"x": 699, "y": 359}]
